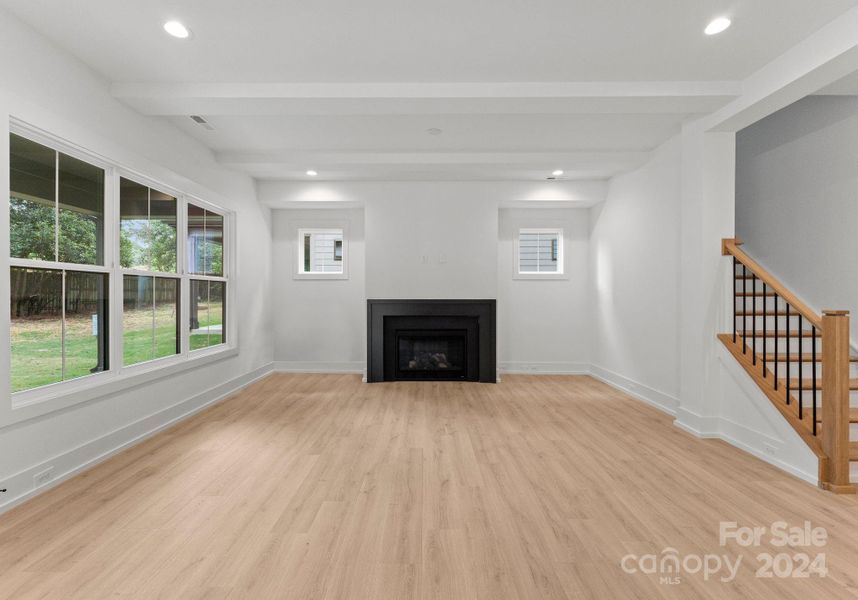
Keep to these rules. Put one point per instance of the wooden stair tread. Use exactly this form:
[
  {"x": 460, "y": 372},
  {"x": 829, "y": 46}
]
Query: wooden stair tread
[
  {"x": 807, "y": 383},
  {"x": 806, "y": 333},
  {"x": 853, "y": 415},
  {"x": 806, "y": 357}
]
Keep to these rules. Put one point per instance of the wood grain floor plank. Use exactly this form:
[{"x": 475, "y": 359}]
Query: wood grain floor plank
[{"x": 322, "y": 487}]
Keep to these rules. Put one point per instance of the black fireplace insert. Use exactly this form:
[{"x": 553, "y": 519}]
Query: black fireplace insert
[{"x": 427, "y": 340}]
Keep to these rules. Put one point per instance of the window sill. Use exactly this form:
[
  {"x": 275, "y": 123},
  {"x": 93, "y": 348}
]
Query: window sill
[
  {"x": 317, "y": 276},
  {"x": 540, "y": 276},
  {"x": 40, "y": 402}
]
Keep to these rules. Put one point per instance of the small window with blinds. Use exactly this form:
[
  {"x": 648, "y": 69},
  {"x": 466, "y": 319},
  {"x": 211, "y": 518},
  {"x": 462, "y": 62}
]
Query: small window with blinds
[
  {"x": 539, "y": 253},
  {"x": 321, "y": 254}
]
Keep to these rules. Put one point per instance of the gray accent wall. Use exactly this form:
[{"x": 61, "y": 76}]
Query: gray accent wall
[{"x": 797, "y": 199}]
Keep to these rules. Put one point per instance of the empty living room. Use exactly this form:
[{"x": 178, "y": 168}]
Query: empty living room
[{"x": 451, "y": 300}]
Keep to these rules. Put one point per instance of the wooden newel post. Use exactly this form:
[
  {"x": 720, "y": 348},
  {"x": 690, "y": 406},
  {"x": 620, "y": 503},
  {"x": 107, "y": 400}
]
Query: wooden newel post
[{"x": 835, "y": 400}]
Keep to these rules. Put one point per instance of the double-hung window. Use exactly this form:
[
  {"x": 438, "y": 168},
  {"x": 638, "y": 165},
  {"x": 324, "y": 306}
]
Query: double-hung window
[
  {"x": 107, "y": 269},
  {"x": 207, "y": 281},
  {"x": 59, "y": 283},
  {"x": 148, "y": 251}
]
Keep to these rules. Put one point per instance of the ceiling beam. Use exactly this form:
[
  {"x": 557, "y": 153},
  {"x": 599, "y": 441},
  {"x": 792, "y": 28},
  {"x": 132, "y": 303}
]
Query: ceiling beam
[
  {"x": 685, "y": 97},
  {"x": 825, "y": 57},
  {"x": 286, "y": 158},
  {"x": 444, "y": 165}
]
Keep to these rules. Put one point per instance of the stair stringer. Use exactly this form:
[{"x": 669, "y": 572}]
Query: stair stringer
[{"x": 748, "y": 419}]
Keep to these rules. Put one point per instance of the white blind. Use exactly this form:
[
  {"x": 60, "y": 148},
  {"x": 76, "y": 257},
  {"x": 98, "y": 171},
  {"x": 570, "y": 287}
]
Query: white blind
[{"x": 537, "y": 252}]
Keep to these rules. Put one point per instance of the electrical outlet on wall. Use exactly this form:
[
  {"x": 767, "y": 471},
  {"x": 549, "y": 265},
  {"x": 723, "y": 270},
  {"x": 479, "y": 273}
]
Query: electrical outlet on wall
[{"x": 43, "y": 477}]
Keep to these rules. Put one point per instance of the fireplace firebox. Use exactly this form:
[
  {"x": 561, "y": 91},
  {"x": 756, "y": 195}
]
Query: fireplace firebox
[
  {"x": 429, "y": 354},
  {"x": 426, "y": 340}
]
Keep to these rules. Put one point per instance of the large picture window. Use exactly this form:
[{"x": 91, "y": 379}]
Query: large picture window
[{"x": 87, "y": 243}]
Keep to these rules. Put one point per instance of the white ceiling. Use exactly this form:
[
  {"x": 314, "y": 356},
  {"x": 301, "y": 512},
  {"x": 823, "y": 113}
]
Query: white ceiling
[
  {"x": 437, "y": 41},
  {"x": 515, "y": 86}
]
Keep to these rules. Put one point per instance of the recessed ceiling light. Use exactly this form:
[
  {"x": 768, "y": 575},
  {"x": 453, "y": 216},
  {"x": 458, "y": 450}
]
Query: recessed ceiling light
[
  {"x": 312, "y": 173},
  {"x": 434, "y": 131},
  {"x": 557, "y": 173},
  {"x": 176, "y": 29},
  {"x": 717, "y": 26}
]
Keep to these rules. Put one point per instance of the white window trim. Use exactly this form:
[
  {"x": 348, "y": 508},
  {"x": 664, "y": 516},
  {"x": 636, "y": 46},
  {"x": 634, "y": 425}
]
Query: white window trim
[
  {"x": 36, "y": 402},
  {"x": 561, "y": 255},
  {"x": 298, "y": 264}
]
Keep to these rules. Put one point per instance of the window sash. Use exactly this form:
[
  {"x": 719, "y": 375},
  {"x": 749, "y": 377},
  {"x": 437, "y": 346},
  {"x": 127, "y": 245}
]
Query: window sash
[
  {"x": 224, "y": 324},
  {"x": 150, "y": 189},
  {"x": 152, "y": 281},
  {"x": 73, "y": 326}
]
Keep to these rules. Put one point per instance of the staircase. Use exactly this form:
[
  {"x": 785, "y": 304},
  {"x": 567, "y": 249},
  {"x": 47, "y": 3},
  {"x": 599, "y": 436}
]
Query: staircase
[{"x": 800, "y": 360}]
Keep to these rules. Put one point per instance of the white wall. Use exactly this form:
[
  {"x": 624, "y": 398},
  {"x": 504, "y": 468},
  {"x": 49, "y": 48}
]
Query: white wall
[
  {"x": 319, "y": 324},
  {"x": 797, "y": 199},
  {"x": 718, "y": 399},
  {"x": 634, "y": 257},
  {"x": 659, "y": 296},
  {"x": 431, "y": 239},
  {"x": 430, "y": 243},
  {"x": 543, "y": 325},
  {"x": 48, "y": 89}
]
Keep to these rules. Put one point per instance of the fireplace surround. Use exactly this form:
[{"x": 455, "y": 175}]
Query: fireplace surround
[{"x": 431, "y": 340}]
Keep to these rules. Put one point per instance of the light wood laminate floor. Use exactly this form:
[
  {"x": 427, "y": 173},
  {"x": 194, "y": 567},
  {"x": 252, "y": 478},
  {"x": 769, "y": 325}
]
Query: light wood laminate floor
[{"x": 322, "y": 487}]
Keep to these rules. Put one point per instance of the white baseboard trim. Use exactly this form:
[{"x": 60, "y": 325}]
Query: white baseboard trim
[
  {"x": 91, "y": 453},
  {"x": 295, "y": 366},
  {"x": 543, "y": 368},
  {"x": 653, "y": 397},
  {"x": 743, "y": 438},
  {"x": 697, "y": 425},
  {"x": 705, "y": 427}
]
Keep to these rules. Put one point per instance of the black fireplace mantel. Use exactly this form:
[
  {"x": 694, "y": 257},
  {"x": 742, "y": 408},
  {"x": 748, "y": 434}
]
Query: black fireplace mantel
[{"x": 482, "y": 313}]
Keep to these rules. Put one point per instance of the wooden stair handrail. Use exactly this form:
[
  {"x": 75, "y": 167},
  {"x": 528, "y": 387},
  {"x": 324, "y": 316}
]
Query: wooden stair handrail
[
  {"x": 730, "y": 247},
  {"x": 829, "y": 439}
]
